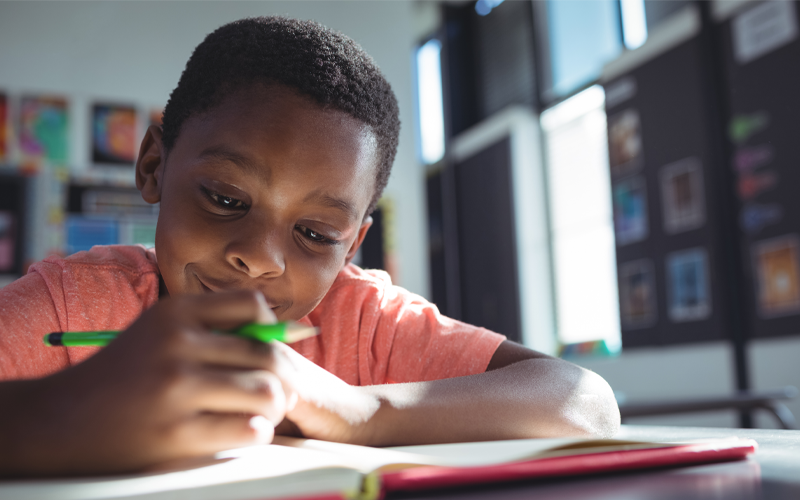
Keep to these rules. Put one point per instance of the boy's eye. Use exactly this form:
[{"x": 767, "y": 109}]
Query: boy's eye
[
  {"x": 313, "y": 235},
  {"x": 225, "y": 201}
]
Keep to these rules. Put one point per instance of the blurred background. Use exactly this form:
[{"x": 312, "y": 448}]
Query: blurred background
[{"x": 611, "y": 181}]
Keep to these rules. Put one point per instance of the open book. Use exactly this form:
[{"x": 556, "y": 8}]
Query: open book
[{"x": 299, "y": 468}]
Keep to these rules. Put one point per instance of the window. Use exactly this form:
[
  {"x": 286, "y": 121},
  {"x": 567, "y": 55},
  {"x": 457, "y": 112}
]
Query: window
[
  {"x": 582, "y": 233},
  {"x": 582, "y": 36},
  {"x": 429, "y": 102}
]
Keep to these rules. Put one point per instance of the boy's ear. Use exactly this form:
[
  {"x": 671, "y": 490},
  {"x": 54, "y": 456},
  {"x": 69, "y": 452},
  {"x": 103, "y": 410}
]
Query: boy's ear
[
  {"x": 150, "y": 165},
  {"x": 362, "y": 231}
]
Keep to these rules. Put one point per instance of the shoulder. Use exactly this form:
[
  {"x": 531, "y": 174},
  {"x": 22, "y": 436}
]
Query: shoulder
[
  {"x": 366, "y": 291},
  {"x": 134, "y": 259},
  {"x": 353, "y": 282},
  {"x": 354, "y": 276}
]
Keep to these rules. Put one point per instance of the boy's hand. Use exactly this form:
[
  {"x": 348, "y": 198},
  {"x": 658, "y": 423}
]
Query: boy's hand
[
  {"x": 327, "y": 407},
  {"x": 166, "y": 388}
]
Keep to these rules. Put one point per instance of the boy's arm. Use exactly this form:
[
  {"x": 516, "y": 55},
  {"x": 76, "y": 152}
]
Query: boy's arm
[
  {"x": 523, "y": 394},
  {"x": 166, "y": 388}
]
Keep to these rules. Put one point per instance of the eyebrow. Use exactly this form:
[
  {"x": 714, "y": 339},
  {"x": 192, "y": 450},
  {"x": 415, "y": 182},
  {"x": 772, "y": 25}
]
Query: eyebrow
[
  {"x": 220, "y": 153},
  {"x": 327, "y": 200}
]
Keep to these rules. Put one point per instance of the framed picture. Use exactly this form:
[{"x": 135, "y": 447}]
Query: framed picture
[
  {"x": 682, "y": 196},
  {"x": 114, "y": 134},
  {"x": 630, "y": 210},
  {"x": 776, "y": 267},
  {"x": 637, "y": 291},
  {"x": 43, "y": 131},
  {"x": 625, "y": 143},
  {"x": 688, "y": 289}
]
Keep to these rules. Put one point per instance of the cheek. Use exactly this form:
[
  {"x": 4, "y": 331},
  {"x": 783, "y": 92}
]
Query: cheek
[
  {"x": 181, "y": 238},
  {"x": 315, "y": 275}
]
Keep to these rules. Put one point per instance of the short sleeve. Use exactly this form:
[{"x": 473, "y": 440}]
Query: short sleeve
[
  {"x": 373, "y": 332},
  {"x": 27, "y": 313},
  {"x": 425, "y": 345}
]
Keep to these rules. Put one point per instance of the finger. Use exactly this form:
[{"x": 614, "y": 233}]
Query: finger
[
  {"x": 209, "y": 433},
  {"x": 226, "y": 310},
  {"x": 234, "y": 391},
  {"x": 230, "y": 350}
]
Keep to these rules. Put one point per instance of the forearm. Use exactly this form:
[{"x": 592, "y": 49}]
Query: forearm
[
  {"x": 20, "y": 430},
  {"x": 531, "y": 398}
]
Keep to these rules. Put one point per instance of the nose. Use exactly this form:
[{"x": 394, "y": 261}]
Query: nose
[{"x": 257, "y": 251}]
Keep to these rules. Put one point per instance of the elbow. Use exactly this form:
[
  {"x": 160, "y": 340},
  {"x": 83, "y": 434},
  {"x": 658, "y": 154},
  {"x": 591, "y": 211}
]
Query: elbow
[{"x": 593, "y": 410}]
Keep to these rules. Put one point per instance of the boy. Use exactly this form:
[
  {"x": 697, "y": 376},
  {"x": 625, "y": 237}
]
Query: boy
[{"x": 276, "y": 145}]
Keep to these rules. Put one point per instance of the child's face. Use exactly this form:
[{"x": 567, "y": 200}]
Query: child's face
[{"x": 267, "y": 191}]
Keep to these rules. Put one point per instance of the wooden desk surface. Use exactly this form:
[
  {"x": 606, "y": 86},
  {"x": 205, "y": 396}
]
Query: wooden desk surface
[{"x": 773, "y": 473}]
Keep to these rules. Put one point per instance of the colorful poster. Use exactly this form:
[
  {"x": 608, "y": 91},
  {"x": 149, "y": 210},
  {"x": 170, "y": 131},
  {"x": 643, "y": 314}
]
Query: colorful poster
[
  {"x": 7, "y": 241},
  {"x": 777, "y": 276},
  {"x": 114, "y": 134},
  {"x": 637, "y": 289},
  {"x": 3, "y": 128},
  {"x": 682, "y": 196},
  {"x": 630, "y": 211},
  {"x": 43, "y": 131},
  {"x": 688, "y": 285},
  {"x": 625, "y": 142}
]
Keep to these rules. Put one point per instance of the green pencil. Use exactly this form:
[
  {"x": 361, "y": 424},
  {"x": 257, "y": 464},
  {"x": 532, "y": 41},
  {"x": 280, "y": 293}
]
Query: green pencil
[{"x": 283, "y": 332}]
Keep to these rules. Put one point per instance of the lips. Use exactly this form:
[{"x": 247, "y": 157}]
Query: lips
[{"x": 212, "y": 286}]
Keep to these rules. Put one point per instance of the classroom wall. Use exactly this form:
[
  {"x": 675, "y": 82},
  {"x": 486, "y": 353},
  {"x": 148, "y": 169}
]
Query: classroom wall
[
  {"x": 699, "y": 370},
  {"x": 134, "y": 52}
]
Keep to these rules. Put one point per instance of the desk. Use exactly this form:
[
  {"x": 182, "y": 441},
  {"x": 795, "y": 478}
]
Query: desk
[{"x": 774, "y": 473}]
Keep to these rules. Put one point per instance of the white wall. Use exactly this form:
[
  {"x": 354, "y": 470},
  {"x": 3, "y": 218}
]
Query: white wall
[
  {"x": 134, "y": 52},
  {"x": 775, "y": 363},
  {"x": 699, "y": 370}
]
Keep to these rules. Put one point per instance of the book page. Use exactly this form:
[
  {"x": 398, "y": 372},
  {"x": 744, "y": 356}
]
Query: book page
[
  {"x": 266, "y": 471},
  {"x": 499, "y": 452},
  {"x": 461, "y": 454}
]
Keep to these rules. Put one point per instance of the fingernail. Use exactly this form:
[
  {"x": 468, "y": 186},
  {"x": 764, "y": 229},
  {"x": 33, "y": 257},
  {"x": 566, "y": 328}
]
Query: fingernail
[{"x": 264, "y": 429}]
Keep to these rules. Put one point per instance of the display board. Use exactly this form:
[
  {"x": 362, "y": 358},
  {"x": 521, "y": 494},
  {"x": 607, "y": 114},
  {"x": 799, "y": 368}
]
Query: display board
[
  {"x": 760, "y": 53},
  {"x": 664, "y": 172}
]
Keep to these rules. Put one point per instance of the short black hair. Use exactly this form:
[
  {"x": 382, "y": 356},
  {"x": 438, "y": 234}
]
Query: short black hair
[{"x": 315, "y": 61}]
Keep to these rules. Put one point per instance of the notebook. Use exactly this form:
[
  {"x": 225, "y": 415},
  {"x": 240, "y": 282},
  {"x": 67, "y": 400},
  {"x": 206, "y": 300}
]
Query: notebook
[{"x": 306, "y": 469}]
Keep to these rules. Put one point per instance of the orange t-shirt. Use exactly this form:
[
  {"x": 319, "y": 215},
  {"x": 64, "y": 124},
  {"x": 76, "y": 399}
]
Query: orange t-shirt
[{"x": 372, "y": 332}]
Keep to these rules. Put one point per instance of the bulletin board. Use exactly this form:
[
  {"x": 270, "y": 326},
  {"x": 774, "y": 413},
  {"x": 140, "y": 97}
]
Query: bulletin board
[
  {"x": 761, "y": 50},
  {"x": 664, "y": 173}
]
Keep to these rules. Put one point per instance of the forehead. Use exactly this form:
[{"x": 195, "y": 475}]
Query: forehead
[{"x": 269, "y": 130}]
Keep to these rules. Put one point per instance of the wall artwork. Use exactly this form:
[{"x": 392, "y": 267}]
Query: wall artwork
[
  {"x": 682, "y": 196},
  {"x": 637, "y": 285},
  {"x": 114, "y": 134},
  {"x": 625, "y": 143},
  {"x": 688, "y": 285},
  {"x": 43, "y": 131},
  {"x": 630, "y": 210},
  {"x": 777, "y": 276}
]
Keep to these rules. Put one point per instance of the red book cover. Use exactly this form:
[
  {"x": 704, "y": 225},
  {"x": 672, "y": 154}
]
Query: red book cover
[{"x": 432, "y": 477}]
